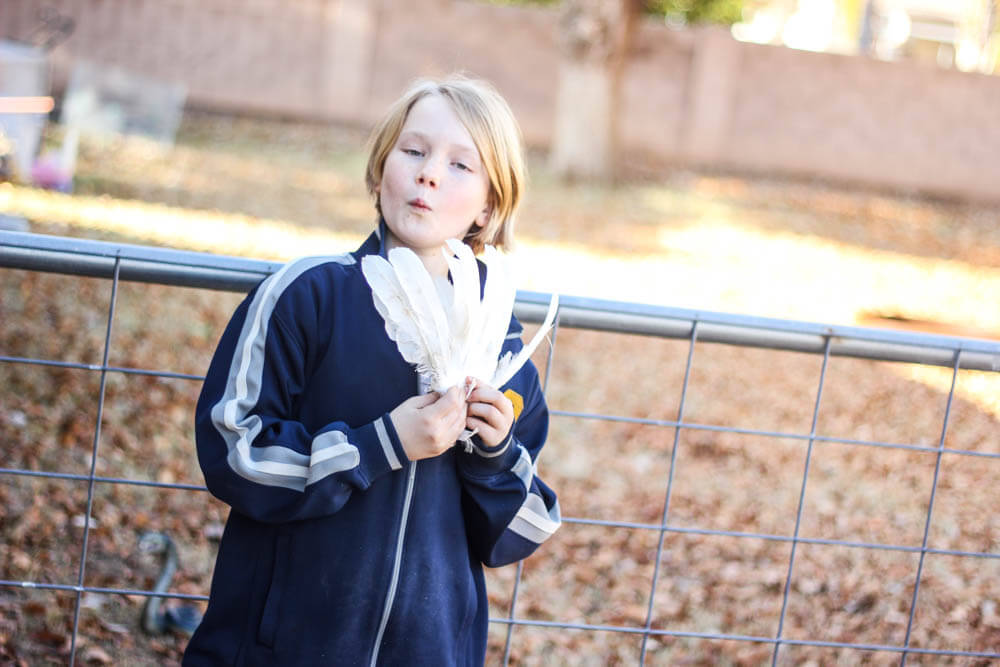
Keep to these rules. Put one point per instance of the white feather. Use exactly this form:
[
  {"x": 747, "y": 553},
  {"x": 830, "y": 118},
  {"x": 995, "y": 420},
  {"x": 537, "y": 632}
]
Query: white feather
[
  {"x": 447, "y": 331},
  {"x": 422, "y": 295},
  {"x": 498, "y": 303},
  {"x": 465, "y": 312},
  {"x": 511, "y": 364},
  {"x": 394, "y": 307}
]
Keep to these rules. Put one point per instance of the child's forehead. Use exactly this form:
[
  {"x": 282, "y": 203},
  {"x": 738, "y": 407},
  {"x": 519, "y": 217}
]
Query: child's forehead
[{"x": 435, "y": 118}]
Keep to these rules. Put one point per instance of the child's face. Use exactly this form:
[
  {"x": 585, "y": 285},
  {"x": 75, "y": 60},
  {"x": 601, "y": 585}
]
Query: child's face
[{"x": 434, "y": 185}]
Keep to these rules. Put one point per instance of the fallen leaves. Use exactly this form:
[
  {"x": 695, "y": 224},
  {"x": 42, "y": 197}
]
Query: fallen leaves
[{"x": 614, "y": 471}]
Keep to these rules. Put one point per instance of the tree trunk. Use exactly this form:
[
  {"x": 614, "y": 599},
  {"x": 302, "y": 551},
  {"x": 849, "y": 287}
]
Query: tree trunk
[{"x": 594, "y": 36}]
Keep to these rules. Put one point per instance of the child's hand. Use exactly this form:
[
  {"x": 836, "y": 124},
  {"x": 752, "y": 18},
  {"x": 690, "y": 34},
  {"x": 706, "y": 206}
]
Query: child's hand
[
  {"x": 491, "y": 413},
  {"x": 428, "y": 425}
]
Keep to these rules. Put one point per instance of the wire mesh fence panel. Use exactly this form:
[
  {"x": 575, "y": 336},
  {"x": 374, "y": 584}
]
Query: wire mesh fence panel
[{"x": 734, "y": 490}]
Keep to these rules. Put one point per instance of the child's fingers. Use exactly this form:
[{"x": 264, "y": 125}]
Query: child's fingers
[
  {"x": 456, "y": 401},
  {"x": 458, "y": 424},
  {"x": 490, "y": 435},
  {"x": 449, "y": 413},
  {"x": 482, "y": 427},
  {"x": 446, "y": 403},
  {"x": 493, "y": 420},
  {"x": 490, "y": 396},
  {"x": 482, "y": 392},
  {"x": 487, "y": 413}
]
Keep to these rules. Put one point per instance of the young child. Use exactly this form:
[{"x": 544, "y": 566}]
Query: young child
[{"x": 358, "y": 529}]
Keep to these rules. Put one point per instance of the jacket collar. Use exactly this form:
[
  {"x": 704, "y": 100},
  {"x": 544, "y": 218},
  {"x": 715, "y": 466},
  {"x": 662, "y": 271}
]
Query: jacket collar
[{"x": 375, "y": 243}]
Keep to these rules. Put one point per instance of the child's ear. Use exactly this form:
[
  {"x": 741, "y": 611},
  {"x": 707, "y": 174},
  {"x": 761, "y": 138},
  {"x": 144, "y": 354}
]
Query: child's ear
[{"x": 482, "y": 218}]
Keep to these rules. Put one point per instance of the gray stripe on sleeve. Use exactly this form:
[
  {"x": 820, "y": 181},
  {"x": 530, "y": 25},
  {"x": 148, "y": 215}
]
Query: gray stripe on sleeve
[
  {"x": 523, "y": 468},
  {"x": 274, "y": 465},
  {"x": 491, "y": 455},
  {"x": 325, "y": 441},
  {"x": 534, "y": 522},
  {"x": 528, "y": 531},
  {"x": 383, "y": 438},
  {"x": 536, "y": 511},
  {"x": 332, "y": 460}
]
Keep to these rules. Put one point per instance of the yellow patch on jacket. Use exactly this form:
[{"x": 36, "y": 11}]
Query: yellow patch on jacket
[{"x": 516, "y": 401}]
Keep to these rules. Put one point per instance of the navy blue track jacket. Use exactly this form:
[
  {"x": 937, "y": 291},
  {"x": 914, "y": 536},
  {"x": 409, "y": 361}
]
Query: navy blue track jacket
[{"x": 338, "y": 549}]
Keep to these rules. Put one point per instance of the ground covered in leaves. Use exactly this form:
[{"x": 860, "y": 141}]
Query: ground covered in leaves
[{"x": 249, "y": 176}]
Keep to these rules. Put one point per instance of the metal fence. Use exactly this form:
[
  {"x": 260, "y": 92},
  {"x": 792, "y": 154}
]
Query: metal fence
[{"x": 119, "y": 262}]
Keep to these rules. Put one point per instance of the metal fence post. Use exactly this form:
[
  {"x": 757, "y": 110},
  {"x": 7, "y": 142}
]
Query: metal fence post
[
  {"x": 520, "y": 566},
  {"x": 666, "y": 499},
  {"x": 93, "y": 463},
  {"x": 930, "y": 508},
  {"x": 802, "y": 499}
]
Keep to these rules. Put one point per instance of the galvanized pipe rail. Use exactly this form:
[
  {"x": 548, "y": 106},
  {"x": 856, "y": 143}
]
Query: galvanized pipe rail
[{"x": 195, "y": 269}]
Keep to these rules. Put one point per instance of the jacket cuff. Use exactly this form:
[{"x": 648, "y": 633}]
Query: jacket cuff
[
  {"x": 383, "y": 451},
  {"x": 484, "y": 461}
]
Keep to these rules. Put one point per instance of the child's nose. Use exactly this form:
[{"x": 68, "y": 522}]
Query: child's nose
[{"x": 429, "y": 174}]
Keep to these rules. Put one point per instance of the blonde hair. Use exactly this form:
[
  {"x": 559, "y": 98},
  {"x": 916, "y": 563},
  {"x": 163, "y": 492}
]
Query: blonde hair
[{"x": 490, "y": 122}]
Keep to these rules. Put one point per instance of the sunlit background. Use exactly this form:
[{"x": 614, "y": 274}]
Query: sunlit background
[{"x": 832, "y": 161}]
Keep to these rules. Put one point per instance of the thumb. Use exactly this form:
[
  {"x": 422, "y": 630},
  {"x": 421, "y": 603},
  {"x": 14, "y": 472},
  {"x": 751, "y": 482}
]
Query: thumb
[
  {"x": 423, "y": 400},
  {"x": 447, "y": 402}
]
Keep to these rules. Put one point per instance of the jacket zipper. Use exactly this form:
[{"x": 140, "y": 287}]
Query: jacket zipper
[{"x": 395, "y": 567}]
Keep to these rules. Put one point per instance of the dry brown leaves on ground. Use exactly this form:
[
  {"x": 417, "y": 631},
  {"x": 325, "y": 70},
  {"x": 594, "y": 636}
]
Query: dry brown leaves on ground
[
  {"x": 730, "y": 499},
  {"x": 612, "y": 471}
]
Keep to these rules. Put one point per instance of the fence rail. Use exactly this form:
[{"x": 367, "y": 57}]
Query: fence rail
[
  {"x": 122, "y": 262},
  {"x": 195, "y": 269}
]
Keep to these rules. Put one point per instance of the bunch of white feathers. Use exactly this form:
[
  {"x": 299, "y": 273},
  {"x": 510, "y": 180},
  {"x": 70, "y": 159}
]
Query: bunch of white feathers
[{"x": 445, "y": 330}]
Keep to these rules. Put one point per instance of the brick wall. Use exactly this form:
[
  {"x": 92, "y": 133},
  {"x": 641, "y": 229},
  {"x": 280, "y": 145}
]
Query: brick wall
[{"x": 694, "y": 97}]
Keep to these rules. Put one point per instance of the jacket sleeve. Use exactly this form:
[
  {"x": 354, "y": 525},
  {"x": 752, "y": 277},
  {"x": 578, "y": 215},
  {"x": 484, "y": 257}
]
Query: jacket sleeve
[
  {"x": 254, "y": 454},
  {"x": 509, "y": 512}
]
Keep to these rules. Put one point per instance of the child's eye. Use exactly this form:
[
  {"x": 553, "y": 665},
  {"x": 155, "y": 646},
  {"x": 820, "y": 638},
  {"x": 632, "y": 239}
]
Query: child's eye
[
  {"x": 412, "y": 151},
  {"x": 462, "y": 166}
]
